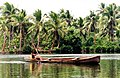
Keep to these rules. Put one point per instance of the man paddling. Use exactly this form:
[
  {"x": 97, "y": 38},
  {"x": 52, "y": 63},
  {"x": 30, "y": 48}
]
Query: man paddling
[
  {"x": 33, "y": 54},
  {"x": 36, "y": 56}
]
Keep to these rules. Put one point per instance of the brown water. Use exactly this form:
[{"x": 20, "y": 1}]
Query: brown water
[{"x": 16, "y": 68}]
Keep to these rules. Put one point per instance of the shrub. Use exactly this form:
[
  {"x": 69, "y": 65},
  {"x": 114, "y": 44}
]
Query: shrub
[
  {"x": 103, "y": 49},
  {"x": 89, "y": 42},
  {"x": 66, "y": 49},
  {"x": 58, "y": 51},
  {"x": 87, "y": 50},
  {"x": 98, "y": 49},
  {"x": 117, "y": 49},
  {"x": 110, "y": 49}
]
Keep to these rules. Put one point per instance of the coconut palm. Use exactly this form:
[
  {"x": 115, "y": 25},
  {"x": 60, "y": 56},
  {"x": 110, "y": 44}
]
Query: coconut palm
[
  {"x": 7, "y": 11},
  {"x": 38, "y": 28},
  {"x": 109, "y": 14},
  {"x": 20, "y": 20},
  {"x": 78, "y": 23},
  {"x": 56, "y": 28},
  {"x": 90, "y": 22},
  {"x": 90, "y": 25},
  {"x": 66, "y": 15},
  {"x": 4, "y": 30}
]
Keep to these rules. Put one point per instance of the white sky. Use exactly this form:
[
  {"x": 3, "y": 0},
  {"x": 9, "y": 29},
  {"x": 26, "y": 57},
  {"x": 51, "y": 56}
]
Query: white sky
[{"x": 78, "y": 8}]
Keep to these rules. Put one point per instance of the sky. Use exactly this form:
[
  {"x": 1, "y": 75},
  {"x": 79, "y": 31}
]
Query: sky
[{"x": 77, "y": 8}]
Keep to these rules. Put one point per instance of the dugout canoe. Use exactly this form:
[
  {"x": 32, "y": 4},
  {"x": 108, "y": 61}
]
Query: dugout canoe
[{"x": 68, "y": 60}]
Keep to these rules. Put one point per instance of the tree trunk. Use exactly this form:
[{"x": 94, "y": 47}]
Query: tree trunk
[
  {"x": 10, "y": 35},
  {"x": 4, "y": 43},
  {"x": 58, "y": 44},
  {"x": 20, "y": 47},
  {"x": 38, "y": 44},
  {"x": 53, "y": 43},
  {"x": 94, "y": 39},
  {"x": 33, "y": 45}
]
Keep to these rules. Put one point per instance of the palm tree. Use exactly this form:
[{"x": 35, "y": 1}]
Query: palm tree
[
  {"x": 90, "y": 25},
  {"x": 110, "y": 14},
  {"x": 38, "y": 28},
  {"x": 78, "y": 23},
  {"x": 56, "y": 28},
  {"x": 4, "y": 29},
  {"x": 20, "y": 20},
  {"x": 66, "y": 15},
  {"x": 7, "y": 11}
]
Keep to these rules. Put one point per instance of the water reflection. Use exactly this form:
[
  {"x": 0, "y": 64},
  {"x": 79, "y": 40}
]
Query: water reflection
[
  {"x": 63, "y": 71},
  {"x": 35, "y": 69},
  {"x": 15, "y": 68},
  {"x": 11, "y": 70}
]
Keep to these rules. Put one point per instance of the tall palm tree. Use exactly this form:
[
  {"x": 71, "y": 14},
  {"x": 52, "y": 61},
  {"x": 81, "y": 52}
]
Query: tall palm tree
[
  {"x": 4, "y": 29},
  {"x": 38, "y": 28},
  {"x": 110, "y": 14},
  {"x": 90, "y": 24},
  {"x": 7, "y": 11},
  {"x": 56, "y": 28},
  {"x": 20, "y": 20}
]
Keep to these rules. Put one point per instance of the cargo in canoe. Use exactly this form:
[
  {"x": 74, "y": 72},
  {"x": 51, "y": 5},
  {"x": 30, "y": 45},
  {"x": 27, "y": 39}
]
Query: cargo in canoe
[{"x": 68, "y": 60}]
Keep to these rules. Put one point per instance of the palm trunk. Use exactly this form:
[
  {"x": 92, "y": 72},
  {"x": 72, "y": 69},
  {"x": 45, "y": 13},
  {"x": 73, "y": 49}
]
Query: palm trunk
[
  {"x": 4, "y": 43},
  {"x": 58, "y": 41},
  {"x": 58, "y": 44},
  {"x": 33, "y": 45},
  {"x": 38, "y": 44},
  {"x": 55, "y": 37},
  {"x": 20, "y": 47},
  {"x": 10, "y": 35},
  {"x": 94, "y": 39},
  {"x": 53, "y": 43}
]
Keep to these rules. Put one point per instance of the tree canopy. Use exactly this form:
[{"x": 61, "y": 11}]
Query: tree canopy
[{"x": 60, "y": 32}]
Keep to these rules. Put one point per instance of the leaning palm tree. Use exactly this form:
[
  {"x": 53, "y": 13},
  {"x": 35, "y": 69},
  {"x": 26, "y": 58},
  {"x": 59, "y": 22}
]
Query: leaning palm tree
[{"x": 56, "y": 28}]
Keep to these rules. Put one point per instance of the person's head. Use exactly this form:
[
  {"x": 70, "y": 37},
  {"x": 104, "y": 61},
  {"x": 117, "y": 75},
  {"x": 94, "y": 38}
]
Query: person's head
[{"x": 34, "y": 51}]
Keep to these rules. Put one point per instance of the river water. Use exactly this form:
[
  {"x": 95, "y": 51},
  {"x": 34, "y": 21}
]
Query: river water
[{"x": 14, "y": 66}]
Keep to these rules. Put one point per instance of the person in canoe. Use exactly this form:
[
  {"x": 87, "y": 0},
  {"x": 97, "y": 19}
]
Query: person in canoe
[
  {"x": 33, "y": 54},
  {"x": 36, "y": 56}
]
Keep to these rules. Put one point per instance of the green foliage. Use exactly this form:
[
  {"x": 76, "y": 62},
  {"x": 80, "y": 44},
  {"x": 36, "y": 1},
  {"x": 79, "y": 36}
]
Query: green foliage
[
  {"x": 66, "y": 49},
  {"x": 99, "y": 32},
  {"x": 27, "y": 50},
  {"x": 72, "y": 42},
  {"x": 117, "y": 49},
  {"x": 38, "y": 15},
  {"x": 89, "y": 42}
]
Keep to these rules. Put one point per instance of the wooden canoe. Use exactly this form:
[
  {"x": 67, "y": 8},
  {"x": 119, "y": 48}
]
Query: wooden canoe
[{"x": 69, "y": 60}]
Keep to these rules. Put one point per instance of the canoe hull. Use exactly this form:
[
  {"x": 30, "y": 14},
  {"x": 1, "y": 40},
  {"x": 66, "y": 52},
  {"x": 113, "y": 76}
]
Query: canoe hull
[{"x": 81, "y": 60}]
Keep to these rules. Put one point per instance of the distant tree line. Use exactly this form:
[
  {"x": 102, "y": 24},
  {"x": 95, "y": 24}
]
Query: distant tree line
[{"x": 99, "y": 32}]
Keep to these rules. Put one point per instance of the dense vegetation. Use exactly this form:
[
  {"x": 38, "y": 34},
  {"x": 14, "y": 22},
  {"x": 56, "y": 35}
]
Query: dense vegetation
[{"x": 99, "y": 32}]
